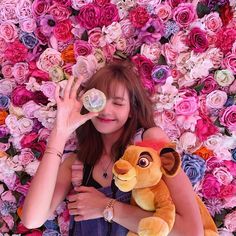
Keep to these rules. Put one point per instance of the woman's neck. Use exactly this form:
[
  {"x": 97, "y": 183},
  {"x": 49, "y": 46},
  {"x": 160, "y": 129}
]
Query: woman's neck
[{"x": 109, "y": 140}]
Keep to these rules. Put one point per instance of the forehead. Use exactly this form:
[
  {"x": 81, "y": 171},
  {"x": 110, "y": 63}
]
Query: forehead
[{"x": 117, "y": 89}]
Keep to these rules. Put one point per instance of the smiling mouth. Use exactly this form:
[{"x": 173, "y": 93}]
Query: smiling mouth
[{"x": 104, "y": 119}]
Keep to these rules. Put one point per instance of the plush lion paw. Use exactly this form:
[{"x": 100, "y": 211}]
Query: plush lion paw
[{"x": 153, "y": 226}]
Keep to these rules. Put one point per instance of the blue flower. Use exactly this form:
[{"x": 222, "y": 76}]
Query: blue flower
[
  {"x": 194, "y": 167},
  {"x": 234, "y": 154},
  {"x": 29, "y": 40},
  {"x": 4, "y": 101},
  {"x": 160, "y": 73},
  {"x": 51, "y": 232},
  {"x": 7, "y": 207},
  {"x": 50, "y": 224}
]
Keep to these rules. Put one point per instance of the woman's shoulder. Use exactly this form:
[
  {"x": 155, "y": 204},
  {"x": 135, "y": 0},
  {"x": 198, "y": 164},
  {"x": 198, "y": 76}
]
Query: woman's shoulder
[{"x": 155, "y": 133}]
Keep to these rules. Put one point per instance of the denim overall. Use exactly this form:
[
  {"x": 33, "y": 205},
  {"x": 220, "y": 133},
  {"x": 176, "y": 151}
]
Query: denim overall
[{"x": 100, "y": 227}]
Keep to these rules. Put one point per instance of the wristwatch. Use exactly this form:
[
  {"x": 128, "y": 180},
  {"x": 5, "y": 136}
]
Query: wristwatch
[{"x": 108, "y": 212}]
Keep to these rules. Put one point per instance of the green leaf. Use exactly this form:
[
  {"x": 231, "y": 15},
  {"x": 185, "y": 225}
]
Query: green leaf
[
  {"x": 199, "y": 87},
  {"x": 120, "y": 54},
  {"x": 202, "y": 10}
]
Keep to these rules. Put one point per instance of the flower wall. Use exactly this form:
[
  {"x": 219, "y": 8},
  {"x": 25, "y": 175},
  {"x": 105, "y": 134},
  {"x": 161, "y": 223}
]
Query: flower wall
[{"x": 185, "y": 53}]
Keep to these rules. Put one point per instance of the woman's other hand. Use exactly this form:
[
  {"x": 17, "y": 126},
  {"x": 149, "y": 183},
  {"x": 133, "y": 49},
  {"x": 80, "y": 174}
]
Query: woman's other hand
[
  {"x": 69, "y": 107},
  {"x": 87, "y": 203}
]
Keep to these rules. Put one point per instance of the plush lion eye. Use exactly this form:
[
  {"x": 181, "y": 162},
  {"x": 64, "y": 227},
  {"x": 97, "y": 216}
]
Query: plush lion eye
[{"x": 143, "y": 162}]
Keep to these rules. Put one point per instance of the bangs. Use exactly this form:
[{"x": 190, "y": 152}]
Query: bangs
[{"x": 108, "y": 80}]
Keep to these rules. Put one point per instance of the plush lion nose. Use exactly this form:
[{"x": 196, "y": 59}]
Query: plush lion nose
[{"x": 121, "y": 169}]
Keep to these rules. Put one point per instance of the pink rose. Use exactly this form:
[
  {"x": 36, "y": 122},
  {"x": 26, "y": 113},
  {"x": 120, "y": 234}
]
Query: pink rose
[
  {"x": 228, "y": 118},
  {"x": 222, "y": 175},
  {"x": 178, "y": 41},
  {"x": 212, "y": 163},
  {"x": 170, "y": 53},
  {"x": 164, "y": 12},
  {"x": 3, "y": 45},
  {"x": 101, "y": 3},
  {"x": 28, "y": 25},
  {"x": 184, "y": 14},
  {"x": 82, "y": 48},
  {"x": 40, "y": 7},
  {"x": 109, "y": 51},
  {"x": 139, "y": 16},
  {"x": 62, "y": 30},
  {"x": 48, "y": 89},
  {"x": 20, "y": 95},
  {"x": 209, "y": 84},
  {"x": 63, "y": 2},
  {"x": 8, "y": 11},
  {"x": 109, "y": 14},
  {"x": 175, "y": 3},
  {"x": 8, "y": 31},
  {"x": 204, "y": 128},
  {"x": 197, "y": 40},
  {"x": 95, "y": 37},
  {"x": 26, "y": 156},
  {"x": 7, "y": 71},
  {"x": 229, "y": 221},
  {"x": 229, "y": 62},
  {"x": 127, "y": 28},
  {"x": 28, "y": 139},
  {"x": 210, "y": 186},
  {"x": 29, "y": 108},
  {"x": 232, "y": 88},
  {"x": 216, "y": 99},
  {"x": 20, "y": 72},
  {"x": 59, "y": 12},
  {"x": 213, "y": 21},
  {"x": 16, "y": 52},
  {"x": 186, "y": 106},
  {"x": 227, "y": 191},
  {"x": 89, "y": 16}
]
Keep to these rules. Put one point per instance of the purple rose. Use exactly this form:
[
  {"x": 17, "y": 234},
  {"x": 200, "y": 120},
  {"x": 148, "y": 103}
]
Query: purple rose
[
  {"x": 89, "y": 16},
  {"x": 197, "y": 40},
  {"x": 4, "y": 131},
  {"x": 20, "y": 95},
  {"x": 109, "y": 14}
]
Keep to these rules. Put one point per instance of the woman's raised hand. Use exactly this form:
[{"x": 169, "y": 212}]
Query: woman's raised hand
[{"x": 69, "y": 107}]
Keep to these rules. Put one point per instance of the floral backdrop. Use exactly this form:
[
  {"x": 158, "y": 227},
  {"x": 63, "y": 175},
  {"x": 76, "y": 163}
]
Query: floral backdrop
[{"x": 185, "y": 53}]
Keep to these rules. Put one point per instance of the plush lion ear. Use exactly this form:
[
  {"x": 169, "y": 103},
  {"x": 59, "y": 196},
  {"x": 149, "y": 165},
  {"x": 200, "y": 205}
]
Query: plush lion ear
[{"x": 170, "y": 160}]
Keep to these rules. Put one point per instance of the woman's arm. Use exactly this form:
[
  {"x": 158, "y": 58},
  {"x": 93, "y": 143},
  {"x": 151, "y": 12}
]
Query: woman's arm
[
  {"x": 188, "y": 219},
  {"x": 49, "y": 186}
]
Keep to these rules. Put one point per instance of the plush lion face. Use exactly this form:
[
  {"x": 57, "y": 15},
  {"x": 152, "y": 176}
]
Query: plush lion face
[{"x": 139, "y": 167}]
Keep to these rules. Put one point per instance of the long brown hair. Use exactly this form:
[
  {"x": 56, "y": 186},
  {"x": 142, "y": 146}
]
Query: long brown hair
[{"x": 90, "y": 142}]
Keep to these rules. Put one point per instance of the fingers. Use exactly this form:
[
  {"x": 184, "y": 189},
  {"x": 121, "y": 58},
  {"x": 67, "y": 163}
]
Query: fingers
[
  {"x": 75, "y": 88},
  {"x": 83, "y": 189},
  {"x": 68, "y": 87},
  {"x": 57, "y": 93}
]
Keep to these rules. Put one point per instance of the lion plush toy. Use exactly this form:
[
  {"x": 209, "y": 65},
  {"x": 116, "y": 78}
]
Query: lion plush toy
[{"x": 140, "y": 169}]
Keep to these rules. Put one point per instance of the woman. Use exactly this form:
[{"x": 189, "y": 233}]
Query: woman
[{"x": 102, "y": 139}]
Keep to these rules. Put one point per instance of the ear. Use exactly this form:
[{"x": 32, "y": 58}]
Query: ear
[{"x": 170, "y": 160}]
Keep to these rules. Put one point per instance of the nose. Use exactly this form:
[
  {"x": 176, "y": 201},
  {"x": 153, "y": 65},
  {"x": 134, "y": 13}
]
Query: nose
[{"x": 121, "y": 170}]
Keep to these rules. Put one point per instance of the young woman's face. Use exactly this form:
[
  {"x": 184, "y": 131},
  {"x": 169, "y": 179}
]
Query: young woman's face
[{"x": 116, "y": 112}]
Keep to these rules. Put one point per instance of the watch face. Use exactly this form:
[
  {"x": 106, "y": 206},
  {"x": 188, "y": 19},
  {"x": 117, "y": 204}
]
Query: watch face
[{"x": 108, "y": 214}]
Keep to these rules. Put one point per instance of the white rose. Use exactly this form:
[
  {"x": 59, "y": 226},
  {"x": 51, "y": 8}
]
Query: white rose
[
  {"x": 32, "y": 167},
  {"x": 152, "y": 51},
  {"x": 187, "y": 141},
  {"x": 214, "y": 142},
  {"x": 112, "y": 32},
  {"x": 224, "y": 77},
  {"x": 25, "y": 125}
]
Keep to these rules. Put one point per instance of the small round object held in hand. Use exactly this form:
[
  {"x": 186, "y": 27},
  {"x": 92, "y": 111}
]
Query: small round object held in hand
[{"x": 94, "y": 100}]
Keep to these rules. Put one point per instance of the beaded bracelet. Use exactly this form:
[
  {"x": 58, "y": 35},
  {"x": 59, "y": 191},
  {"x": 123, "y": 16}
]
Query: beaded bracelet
[{"x": 53, "y": 151}]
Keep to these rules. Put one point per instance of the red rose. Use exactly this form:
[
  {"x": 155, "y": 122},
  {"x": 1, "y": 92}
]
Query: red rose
[
  {"x": 20, "y": 95},
  {"x": 144, "y": 67},
  {"x": 89, "y": 16},
  {"x": 62, "y": 31},
  {"x": 101, "y": 3},
  {"x": 16, "y": 52},
  {"x": 197, "y": 40},
  {"x": 40, "y": 98},
  {"x": 109, "y": 14},
  {"x": 225, "y": 39},
  {"x": 38, "y": 148},
  {"x": 28, "y": 139},
  {"x": 226, "y": 13},
  {"x": 138, "y": 17},
  {"x": 205, "y": 128}
]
